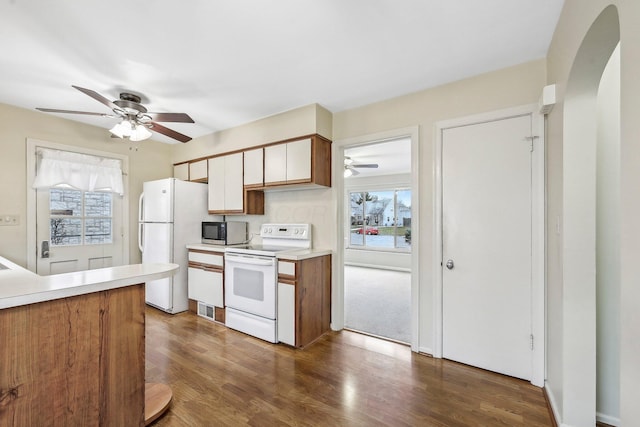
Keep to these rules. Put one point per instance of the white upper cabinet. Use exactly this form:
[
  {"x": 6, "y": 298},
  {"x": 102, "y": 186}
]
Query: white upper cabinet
[
  {"x": 299, "y": 160},
  {"x": 275, "y": 163},
  {"x": 288, "y": 162},
  {"x": 181, "y": 171},
  {"x": 226, "y": 191},
  {"x": 198, "y": 171},
  {"x": 253, "y": 167}
]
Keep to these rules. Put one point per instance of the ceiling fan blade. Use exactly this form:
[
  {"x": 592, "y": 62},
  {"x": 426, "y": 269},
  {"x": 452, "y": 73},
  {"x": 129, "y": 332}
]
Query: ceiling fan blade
[
  {"x": 170, "y": 117},
  {"x": 86, "y": 113},
  {"x": 95, "y": 95},
  {"x": 365, "y": 165},
  {"x": 169, "y": 132}
]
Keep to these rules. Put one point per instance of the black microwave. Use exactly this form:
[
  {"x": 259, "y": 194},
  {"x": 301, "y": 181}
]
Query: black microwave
[{"x": 225, "y": 232}]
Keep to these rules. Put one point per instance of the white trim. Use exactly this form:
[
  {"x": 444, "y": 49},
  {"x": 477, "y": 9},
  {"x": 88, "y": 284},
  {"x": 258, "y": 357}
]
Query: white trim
[
  {"x": 32, "y": 144},
  {"x": 555, "y": 412},
  {"x": 538, "y": 231},
  {"x": 607, "y": 419},
  {"x": 337, "y": 297}
]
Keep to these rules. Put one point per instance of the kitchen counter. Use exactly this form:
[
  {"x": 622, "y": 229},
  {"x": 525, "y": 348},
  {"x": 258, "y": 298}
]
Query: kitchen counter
[
  {"x": 19, "y": 286},
  {"x": 300, "y": 254},
  {"x": 293, "y": 255}
]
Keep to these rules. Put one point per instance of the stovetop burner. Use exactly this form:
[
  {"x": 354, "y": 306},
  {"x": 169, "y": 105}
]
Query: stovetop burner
[{"x": 277, "y": 238}]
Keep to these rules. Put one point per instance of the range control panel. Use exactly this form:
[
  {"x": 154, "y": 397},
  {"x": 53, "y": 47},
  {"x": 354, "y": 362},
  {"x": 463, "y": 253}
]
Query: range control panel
[{"x": 286, "y": 231}]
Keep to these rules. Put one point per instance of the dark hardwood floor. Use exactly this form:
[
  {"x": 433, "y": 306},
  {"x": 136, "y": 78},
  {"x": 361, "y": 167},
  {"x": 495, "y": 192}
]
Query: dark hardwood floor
[{"x": 221, "y": 377}]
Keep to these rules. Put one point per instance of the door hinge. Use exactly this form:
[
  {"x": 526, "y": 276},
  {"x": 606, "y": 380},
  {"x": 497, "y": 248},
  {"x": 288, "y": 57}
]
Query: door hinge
[
  {"x": 531, "y": 341},
  {"x": 531, "y": 139}
]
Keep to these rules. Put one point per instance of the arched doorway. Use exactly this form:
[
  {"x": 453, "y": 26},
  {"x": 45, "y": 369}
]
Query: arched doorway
[{"x": 579, "y": 219}]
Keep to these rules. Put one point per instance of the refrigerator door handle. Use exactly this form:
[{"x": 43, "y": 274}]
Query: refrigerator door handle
[
  {"x": 140, "y": 235},
  {"x": 140, "y": 213}
]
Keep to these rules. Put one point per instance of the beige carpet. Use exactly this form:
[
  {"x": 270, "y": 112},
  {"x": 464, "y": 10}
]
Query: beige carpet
[{"x": 378, "y": 302}]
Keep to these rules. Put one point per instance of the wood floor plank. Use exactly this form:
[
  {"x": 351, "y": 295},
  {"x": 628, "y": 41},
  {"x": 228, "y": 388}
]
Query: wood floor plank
[{"x": 221, "y": 377}]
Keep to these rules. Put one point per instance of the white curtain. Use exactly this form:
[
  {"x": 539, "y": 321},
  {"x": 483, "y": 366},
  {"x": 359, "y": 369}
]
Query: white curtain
[{"x": 81, "y": 171}]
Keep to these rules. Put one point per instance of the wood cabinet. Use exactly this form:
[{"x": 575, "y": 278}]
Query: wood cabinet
[
  {"x": 198, "y": 171},
  {"x": 76, "y": 361},
  {"x": 206, "y": 281},
  {"x": 254, "y": 168},
  {"x": 304, "y": 300},
  {"x": 304, "y": 161},
  {"x": 181, "y": 171}
]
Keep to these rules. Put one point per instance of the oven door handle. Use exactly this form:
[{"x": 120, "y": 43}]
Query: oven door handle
[{"x": 247, "y": 260}]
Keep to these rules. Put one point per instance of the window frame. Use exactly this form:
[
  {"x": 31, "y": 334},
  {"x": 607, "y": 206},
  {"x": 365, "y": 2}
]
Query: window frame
[{"x": 394, "y": 189}]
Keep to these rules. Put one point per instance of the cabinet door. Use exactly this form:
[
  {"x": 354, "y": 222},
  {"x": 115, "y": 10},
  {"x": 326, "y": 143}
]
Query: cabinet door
[
  {"x": 286, "y": 314},
  {"x": 275, "y": 163},
  {"x": 216, "y": 184},
  {"x": 205, "y": 286},
  {"x": 299, "y": 160},
  {"x": 181, "y": 172},
  {"x": 198, "y": 171},
  {"x": 233, "y": 186},
  {"x": 253, "y": 167}
]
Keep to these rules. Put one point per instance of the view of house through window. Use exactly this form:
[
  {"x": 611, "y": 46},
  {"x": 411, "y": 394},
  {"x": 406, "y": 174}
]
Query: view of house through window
[
  {"x": 381, "y": 219},
  {"x": 80, "y": 217}
]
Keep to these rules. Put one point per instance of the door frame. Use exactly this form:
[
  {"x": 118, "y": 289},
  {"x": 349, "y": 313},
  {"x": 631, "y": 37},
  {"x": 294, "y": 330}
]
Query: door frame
[
  {"x": 32, "y": 243},
  {"x": 338, "y": 188},
  {"x": 538, "y": 325}
]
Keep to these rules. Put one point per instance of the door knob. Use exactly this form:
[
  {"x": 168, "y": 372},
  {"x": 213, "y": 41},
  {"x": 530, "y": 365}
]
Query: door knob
[{"x": 449, "y": 264}]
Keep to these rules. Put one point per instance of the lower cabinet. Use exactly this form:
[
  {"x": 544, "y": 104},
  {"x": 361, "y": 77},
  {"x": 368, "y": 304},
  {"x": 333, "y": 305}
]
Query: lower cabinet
[
  {"x": 206, "y": 283},
  {"x": 304, "y": 300}
]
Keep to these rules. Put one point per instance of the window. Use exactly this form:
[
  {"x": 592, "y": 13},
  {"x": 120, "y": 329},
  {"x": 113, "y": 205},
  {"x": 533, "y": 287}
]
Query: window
[
  {"x": 381, "y": 220},
  {"x": 80, "y": 217}
]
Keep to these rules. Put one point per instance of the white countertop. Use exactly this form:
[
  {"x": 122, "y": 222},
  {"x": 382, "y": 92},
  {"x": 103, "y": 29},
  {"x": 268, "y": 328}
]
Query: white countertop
[
  {"x": 293, "y": 255},
  {"x": 19, "y": 286},
  {"x": 298, "y": 255}
]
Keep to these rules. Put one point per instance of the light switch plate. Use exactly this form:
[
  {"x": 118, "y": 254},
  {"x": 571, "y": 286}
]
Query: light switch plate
[{"x": 9, "y": 219}]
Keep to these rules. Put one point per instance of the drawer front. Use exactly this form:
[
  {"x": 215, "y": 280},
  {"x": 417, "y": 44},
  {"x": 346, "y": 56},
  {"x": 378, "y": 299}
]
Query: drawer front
[
  {"x": 203, "y": 258},
  {"x": 287, "y": 269}
]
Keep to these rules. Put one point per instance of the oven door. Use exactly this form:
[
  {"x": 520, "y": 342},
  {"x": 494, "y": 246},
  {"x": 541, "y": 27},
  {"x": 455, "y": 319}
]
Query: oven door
[{"x": 250, "y": 284}]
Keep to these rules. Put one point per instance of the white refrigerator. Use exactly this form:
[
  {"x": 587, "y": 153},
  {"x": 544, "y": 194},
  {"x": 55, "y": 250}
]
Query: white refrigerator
[{"x": 170, "y": 215}]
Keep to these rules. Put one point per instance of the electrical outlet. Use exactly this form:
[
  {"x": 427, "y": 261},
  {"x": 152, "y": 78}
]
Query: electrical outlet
[{"x": 9, "y": 219}]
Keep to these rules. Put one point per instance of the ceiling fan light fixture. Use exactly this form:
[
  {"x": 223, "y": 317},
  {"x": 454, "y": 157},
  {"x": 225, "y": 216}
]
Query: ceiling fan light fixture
[
  {"x": 122, "y": 129},
  {"x": 347, "y": 172},
  {"x": 140, "y": 133}
]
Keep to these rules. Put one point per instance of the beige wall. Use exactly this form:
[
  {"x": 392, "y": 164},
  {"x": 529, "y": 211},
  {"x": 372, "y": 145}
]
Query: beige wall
[
  {"x": 305, "y": 120},
  {"x": 151, "y": 161},
  {"x": 566, "y": 361},
  {"x": 511, "y": 87}
]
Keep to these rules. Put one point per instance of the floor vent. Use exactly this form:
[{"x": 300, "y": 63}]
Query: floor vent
[{"x": 205, "y": 310}]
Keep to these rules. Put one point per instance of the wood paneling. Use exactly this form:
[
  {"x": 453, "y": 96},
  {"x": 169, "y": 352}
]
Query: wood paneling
[
  {"x": 221, "y": 377},
  {"x": 75, "y": 361}
]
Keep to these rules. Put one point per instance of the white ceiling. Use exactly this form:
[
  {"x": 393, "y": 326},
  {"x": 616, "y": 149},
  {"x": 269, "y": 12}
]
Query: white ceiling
[{"x": 230, "y": 62}]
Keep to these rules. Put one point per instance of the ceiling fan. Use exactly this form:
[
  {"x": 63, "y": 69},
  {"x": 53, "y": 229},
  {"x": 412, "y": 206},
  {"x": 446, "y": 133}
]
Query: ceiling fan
[
  {"x": 136, "y": 122},
  {"x": 350, "y": 166}
]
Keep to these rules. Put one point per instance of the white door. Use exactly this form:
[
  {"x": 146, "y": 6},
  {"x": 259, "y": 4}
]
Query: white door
[
  {"x": 486, "y": 230},
  {"x": 77, "y": 230}
]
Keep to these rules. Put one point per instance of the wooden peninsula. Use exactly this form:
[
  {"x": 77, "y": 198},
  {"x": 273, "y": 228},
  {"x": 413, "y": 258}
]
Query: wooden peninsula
[{"x": 72, "y": 348}]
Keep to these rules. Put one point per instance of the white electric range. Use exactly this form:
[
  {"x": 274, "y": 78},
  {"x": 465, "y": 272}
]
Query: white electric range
[{"x": 251, "y": 279}]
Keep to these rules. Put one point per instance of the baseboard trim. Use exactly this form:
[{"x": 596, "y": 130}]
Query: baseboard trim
[
  {"x": 608, "y": 420},
  {"x": 551, "y": 404},
  {"x": 426, "y": 351}
]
